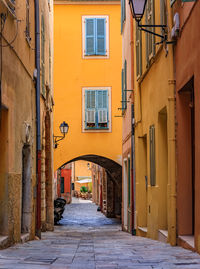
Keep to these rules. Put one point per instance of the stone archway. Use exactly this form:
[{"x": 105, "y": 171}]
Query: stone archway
[{"x": 114, "y": 181}]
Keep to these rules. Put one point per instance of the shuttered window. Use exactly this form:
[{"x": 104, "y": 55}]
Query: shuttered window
[
  {"x": 163, "y": 15},
  {"x": 150, "y": 39},
  {"x": 123, "y": 13},
  {"x": 152, "y": 155},
  {"x": 96, "y": 109},
  {"x": 124, "y": 87},
  {"x": 95, "y": 36},
  {"x": 138, "y": 45},
  {"x": 43, "y": 55}
]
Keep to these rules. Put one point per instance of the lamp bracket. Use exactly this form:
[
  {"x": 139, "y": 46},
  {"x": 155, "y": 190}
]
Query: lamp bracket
[
  {"x": 57, "y": 138},
  {"x": 163, "y": 37}
]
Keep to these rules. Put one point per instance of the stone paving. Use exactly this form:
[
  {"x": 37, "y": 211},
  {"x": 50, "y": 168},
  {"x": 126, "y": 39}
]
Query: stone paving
[{"x": 85, "y": 239}]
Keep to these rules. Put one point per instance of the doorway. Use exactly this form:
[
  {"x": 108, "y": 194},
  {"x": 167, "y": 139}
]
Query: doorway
[
  {"x": 26, "y": 190},
  {"x": 125, "y": 195},
  {"x": 186, "y": 160}
]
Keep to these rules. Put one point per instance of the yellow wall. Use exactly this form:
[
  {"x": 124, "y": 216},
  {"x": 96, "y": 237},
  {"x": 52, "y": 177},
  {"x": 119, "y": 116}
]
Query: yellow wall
[
  {"x": 72, "y": 72},
  {"x": 81, "y": 169},
  {"x": 154, "y": 105}
]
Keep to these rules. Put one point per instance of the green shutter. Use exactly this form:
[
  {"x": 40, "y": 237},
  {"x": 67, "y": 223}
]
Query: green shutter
[
  {"x": 125, "y": 84},
  {"x": 90, "y": 109},
  {"x": 102, "y": 108},
  {"x": 62, "y": 184},
  {"x": 150, "y": 39},
  {"x": 90, "y": 36},
  {"x": 100, "y": 42},
  {"x": 122, "y": 89},
  {"x": 152, "y": 155},
  {"x": 123, "y": 13}
]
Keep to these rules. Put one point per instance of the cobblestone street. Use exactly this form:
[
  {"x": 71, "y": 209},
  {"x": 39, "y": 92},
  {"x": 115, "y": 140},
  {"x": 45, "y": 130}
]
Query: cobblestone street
[{"x": 86, "y": 240}]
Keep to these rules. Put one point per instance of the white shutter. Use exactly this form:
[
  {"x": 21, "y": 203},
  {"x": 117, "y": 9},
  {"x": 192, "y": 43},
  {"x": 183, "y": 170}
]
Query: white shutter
[
  {"x": 102, "y": 116},
  {"x": 90, "y": 116}
]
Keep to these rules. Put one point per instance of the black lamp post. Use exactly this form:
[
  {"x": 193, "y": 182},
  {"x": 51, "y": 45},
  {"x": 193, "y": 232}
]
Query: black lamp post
[
  {"x": 64, "y": 127},
  {"x": 137, "y": 9}
]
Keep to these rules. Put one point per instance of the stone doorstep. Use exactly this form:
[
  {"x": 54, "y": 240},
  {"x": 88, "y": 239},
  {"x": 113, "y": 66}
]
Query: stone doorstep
[
  {"x": 3, "y": 241},
  {"x": 25, "y": 237},
  {"x": 163, "y": 236},
  {"x": 186, "y": 241}
]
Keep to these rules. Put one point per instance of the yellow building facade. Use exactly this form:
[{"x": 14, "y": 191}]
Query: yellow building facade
[
  {"x": 18, "y": 163},
  {"x": 82, "y": 76},
  {"x": 155, "y": 128}
]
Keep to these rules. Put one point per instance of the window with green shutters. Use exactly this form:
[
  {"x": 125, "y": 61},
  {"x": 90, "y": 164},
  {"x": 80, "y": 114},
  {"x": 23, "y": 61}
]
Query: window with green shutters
[
  {"x": 163, "y": 15},
  {"x": 124, "y": 87},
  {"x": 123, "y": 13},
  {"x": 62, "y": 184},
  {"x": 95, "y": 36},
  {"x": 150, "y": 39},
  {"x": 138, "y": 45},
  {"x": 152, "y": 155},
  {"x": 96, "y": 109},
  {"x": 43, "y": 55}
]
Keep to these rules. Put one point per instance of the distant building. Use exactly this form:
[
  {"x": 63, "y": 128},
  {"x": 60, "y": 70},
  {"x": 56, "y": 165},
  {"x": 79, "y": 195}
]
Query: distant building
[{"x": 87, "y": 84}]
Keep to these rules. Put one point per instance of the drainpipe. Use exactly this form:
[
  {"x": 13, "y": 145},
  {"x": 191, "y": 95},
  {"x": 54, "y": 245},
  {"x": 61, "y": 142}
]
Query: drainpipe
[
  {"x": 132, "y": 130},
  {"x": 38, "y": 131}
]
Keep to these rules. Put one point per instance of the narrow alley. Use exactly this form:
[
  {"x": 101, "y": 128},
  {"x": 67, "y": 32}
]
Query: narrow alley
[{"x": 87, "y": 239}]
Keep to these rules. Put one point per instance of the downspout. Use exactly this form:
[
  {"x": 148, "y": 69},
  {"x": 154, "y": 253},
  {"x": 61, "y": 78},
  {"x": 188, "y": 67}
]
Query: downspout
[
  {"x": 132, "y": 129},
  {"x": 38, "y": 131}
]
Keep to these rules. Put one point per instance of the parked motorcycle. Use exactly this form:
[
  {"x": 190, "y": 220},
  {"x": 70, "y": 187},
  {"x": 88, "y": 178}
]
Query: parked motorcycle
[{"x": 59, "y": 208}]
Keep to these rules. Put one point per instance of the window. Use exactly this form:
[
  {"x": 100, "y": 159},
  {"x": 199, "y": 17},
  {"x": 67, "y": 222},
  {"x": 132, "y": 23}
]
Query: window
[
  {"x": 138, "y": 45},
  {"x": 123, "y": 13},
  {"x": 27, "y": 31},
  {"x": 152, "y": 155},
  {"x": 95, "y": 36},
  {"x": 124, "y": 87},
  {"x": 150, "y": 39},
  {"x": 96, "y": 104},
  {"x": 163, "y": 15}
]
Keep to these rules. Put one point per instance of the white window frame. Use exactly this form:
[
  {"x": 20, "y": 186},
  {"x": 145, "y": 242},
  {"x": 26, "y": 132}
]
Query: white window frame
[
  {"x": 109, "y": 110},
  {"x": 84, "y": 56}
]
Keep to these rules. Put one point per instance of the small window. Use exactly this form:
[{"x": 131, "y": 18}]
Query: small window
[
  {"x": 95, "y": 36},
  {"x": 150, "y": 39},
  {"x": 96, "y": 114}
]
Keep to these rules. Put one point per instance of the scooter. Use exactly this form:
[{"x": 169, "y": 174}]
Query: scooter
[{"x": 59, "y": 208}]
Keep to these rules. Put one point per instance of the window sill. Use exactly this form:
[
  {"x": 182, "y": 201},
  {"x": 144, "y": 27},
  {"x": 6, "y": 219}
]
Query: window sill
[{"x": 95, "y": 56}]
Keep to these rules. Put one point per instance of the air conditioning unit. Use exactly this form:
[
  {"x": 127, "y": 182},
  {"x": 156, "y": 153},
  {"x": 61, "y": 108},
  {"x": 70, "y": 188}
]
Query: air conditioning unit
[{"x": 175, "y": 30}]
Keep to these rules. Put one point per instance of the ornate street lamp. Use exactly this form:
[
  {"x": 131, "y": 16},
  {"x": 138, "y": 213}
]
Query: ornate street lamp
[
  {"x": 64, "y": 127},
  {"x": 137, "y": 9}
]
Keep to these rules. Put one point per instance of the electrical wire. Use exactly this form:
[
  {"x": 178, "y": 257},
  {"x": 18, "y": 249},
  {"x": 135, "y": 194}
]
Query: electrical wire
[{"x": 11, "y": 42}]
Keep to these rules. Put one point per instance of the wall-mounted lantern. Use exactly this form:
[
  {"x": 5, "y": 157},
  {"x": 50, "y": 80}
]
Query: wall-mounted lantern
[
  {"x": 64, "y": 127},
  {"x": 137, "y": 9}
]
